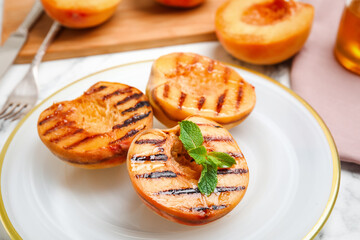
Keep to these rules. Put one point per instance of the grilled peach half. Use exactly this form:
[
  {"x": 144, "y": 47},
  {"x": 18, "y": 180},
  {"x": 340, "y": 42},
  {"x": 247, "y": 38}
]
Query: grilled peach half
[
  {"x": 263, "y": 31},
  {"x": 181, "y": 3},
  {"x": 185, "y": 84},
  {"x": 165, "y": 176},
  {"x": 96, "y": 129}
]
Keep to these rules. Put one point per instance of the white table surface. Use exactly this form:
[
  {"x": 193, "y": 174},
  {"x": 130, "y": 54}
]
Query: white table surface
[{"x": 344, "y": 222}]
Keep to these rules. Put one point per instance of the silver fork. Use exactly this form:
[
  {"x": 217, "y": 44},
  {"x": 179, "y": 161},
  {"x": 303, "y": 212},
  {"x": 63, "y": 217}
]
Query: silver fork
[{"x": 25, "y": 94}]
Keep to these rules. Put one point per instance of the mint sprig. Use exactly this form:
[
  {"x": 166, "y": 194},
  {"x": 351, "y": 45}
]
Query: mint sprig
[{"x": 192, "y": 139}]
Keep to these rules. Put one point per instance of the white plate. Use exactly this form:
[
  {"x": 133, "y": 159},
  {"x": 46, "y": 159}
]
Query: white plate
[{"x": 293, "y": 164}]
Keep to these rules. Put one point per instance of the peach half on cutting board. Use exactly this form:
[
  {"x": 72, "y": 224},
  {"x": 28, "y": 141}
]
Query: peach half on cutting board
[
  {"x": 166, "y": 177},
  {"x": 185, "y": 84},
  {"x": 181, "y": 3},
  {"x": 263, "y": 31},
  {"x": 96, "y": 129},
  {"x": 80, "y": 13}
]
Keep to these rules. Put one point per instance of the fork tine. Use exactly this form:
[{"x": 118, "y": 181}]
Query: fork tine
[
  {"x": 7, "y": 113},
  {"x": 5, "y": 107},
  {"x": 13, "y": 115}
]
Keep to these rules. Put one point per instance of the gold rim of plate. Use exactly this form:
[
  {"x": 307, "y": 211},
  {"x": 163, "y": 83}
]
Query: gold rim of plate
[{"x": 335, "y": 157}]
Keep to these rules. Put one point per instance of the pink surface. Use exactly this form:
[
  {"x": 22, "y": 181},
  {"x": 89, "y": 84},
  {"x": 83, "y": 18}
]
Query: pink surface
[{"x": 330, "y": 89}]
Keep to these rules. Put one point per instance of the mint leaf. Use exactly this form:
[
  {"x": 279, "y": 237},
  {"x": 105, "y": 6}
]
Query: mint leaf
[
  {"x": 198, "y": 154},
  {"x": 208, "y": 179},
  {"x": 214, "y": 161},
  {"x": 192, "y": 139},
  {"x": 190, "y": 135},
  {"x": 222, "y": 159}
]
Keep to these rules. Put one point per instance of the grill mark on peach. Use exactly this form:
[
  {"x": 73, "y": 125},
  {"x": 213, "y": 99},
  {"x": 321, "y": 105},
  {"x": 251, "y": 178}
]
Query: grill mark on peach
[
  {"x": 195, "y": 60},
  {"x": 131, "y": 120},
  {"x": 151, "y": 158},
  {"x": 151, "y": 141},
  {"x": 68, "y": 134},
  {"x": 220, "y": 102},
  {"x": 181, "y": 100},
  {"x": 59, "y": 125},
  {"x": 217, "y": 139},
  {"x": 128, "y": 98},
  {"x": 55, "y": 114},
  {"x": 118, "y": 92},
  {"x": 196, "y": 190},
  {"x": 211, "y": 66},
  {"x": 129, "y": 134},
  {"x": 213, "y": 207},
  {"x": 229, "y": 189},
  {"x": 231, "y": 171},
  {"x": 201, "y": 102},
  {"x": 209, "y": 125},
  {"x": 239, "y": 95},
  {"x": 166, "y": 90},
  {"x": 137, "y": 106},
  {"x": 95, "y": 90},
  {"x": 235, "y": 155},
  {"x": 226, "y": 74},
  {"x": 177, "y": 60},
  {"x": 81, "y": 141},
  {"x": 154, "y": 175}
]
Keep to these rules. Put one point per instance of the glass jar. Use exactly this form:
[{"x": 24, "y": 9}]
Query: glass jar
[{"x": 347, "y": 47}]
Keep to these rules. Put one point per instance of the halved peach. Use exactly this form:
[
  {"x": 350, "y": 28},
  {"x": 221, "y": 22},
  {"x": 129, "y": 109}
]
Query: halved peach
[
  {"x": 165, "y": 176},
  {"x": 96, "y": 129},
  {"x": 181, "y": 3},
  {"x": 80, "y": 13},
  {"x": 263, "y": 31},
  {"x": 185, "y": 84}
]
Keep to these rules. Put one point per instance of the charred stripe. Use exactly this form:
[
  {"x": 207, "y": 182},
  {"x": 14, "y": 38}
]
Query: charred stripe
[
  {"x": 152, "y": 158},
  {"x": 196, "y": 190},
  {"x": 150, "y": 141},
  {"x": 132, "y": 120},
  {"x": 232, "y": 171},
  {"x": 68, "y": 134},
  {"x": 211, "y": 66},
  {"x": 118, "y": 92},
  {"x": 137, "y": 106},
  {"x": 217, "y": 139},
  {"x": 235, "y": 155},
  {"x": 164, "y": 174},
  {"x": 229, "y": 189},
  {"x": 182, "y": 99},
  {"x": 239, "y": 95},
  {"x": 81, "y": 141},
  {"x": 59, "y": 125},
  {"x": 128, "y": 98},
  {"x": 220, "y": 102},
  {"x": 166, "y": 90},
  {"x": 129, "y": 134},
  {"x": 226, "y": 75},
  {"x": 95, "y": 90},
  {"x": 209, "y": 125},
  {"x": 55, "y": 114},
  {"x": 201, "y": 102},
  {"x": 213, "y": 207}
]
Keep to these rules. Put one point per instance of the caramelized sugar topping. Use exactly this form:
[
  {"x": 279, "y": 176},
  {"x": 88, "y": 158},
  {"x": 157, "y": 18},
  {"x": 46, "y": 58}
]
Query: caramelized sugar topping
[{"x": 269, "y": 12}]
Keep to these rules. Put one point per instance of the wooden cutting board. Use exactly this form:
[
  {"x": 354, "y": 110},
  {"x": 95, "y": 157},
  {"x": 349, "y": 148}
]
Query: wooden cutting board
[{"x": 137, "y": 24}]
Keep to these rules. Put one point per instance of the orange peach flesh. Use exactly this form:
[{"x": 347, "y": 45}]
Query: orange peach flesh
[
  {"x": 263, "y": 32},
  {"x": 80, "y": 14}
]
